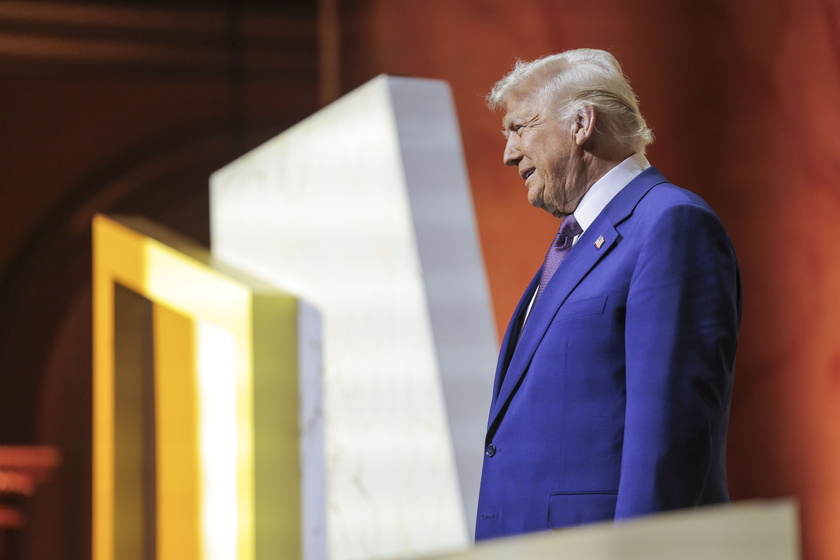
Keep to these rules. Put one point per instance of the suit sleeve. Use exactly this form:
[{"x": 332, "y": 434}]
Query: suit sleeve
[{"x": 682, "y": 315}]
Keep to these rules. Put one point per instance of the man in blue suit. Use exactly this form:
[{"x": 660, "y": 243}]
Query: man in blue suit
[{"x": 612, "y": 389}]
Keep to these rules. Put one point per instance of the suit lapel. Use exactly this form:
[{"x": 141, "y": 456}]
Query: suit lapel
[
  {"x": 512, "y": 335},
  {"x": 584, "y": 256},
  {"x": 576, "y": 265}
]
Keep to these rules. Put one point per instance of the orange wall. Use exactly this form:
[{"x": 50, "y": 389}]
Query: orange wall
[{"x": 745, "y": 105}]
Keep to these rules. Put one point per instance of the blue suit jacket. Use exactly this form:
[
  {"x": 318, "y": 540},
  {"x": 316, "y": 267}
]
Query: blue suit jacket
[{"x": 614, "y": 400}]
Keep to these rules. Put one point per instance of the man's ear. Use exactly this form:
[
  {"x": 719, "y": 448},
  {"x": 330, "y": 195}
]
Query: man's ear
[{"x": 584, "y": 125}]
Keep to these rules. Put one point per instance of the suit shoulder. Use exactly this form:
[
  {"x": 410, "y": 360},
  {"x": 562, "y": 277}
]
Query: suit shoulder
[
  {"x": 670, "y": 212},
  {"x": 651, "y": 193},
  {"x": 651, "y": 198},
  {"x": 667, "y": 209},
  {"x": 668, "y": 195}
]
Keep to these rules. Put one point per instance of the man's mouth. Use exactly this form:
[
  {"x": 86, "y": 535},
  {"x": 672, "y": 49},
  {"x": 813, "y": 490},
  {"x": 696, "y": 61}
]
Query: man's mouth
[{"x": 527, "y": 173}]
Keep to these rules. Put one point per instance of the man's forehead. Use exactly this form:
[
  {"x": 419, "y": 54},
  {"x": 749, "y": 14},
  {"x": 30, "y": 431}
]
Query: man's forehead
[{"x": 520, "y": 104}]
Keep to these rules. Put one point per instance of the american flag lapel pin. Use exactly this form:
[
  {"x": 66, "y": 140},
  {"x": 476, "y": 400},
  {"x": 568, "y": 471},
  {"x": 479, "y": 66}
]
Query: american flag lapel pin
[{"x": 599, "y": 241}]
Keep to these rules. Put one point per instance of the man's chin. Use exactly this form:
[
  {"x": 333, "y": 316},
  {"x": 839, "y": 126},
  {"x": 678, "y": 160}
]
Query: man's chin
[
  {"x": 551, "y": 209},
  {"x": 558, "y": 210},
  {"x": 537, "y": 201}
]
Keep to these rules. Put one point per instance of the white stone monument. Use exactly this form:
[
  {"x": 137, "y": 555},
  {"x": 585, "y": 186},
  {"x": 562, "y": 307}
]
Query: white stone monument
[{"x": 364, "y": 210}]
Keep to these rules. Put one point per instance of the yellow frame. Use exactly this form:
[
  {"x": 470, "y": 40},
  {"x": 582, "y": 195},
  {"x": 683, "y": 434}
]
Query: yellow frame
[{"x": 225, "y": 415}]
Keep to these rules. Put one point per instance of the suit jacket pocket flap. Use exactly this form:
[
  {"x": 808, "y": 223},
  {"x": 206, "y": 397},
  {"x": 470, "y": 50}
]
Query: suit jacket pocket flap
[
  {"x": 582, "y": 307},
  {"x": 570, "y": 510}
]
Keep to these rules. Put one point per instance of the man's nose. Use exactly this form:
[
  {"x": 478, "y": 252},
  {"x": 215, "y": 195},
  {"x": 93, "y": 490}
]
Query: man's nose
[{"x": 512, "y": 153}]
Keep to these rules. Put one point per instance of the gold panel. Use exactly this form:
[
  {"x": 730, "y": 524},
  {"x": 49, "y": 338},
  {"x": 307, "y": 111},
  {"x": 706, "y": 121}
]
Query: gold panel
[{"x": 196, "y": 451}]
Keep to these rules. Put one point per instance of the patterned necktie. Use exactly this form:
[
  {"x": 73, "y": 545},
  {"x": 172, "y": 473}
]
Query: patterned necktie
[{"x": 569, "y": 228}]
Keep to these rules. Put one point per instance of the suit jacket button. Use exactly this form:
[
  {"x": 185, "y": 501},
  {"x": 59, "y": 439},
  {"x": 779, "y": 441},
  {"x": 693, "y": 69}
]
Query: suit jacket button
[{"x": 490, "y": 450}]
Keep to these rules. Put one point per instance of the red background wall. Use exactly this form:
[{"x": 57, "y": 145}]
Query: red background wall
[{"x": 128, "y": 106}]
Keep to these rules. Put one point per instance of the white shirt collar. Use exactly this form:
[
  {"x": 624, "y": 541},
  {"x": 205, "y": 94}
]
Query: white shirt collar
[{"x": 605, "y": 188}]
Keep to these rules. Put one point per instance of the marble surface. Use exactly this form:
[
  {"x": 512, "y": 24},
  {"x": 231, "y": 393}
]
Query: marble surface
[
  {"x": 756, "y": 530},
  {"x": 311, "y": 413},
  {"x": 364, "y": 211}
]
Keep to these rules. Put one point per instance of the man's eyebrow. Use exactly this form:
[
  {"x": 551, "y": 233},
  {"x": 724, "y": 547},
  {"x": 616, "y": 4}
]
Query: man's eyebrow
[{"x": 517, "y": 120}]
